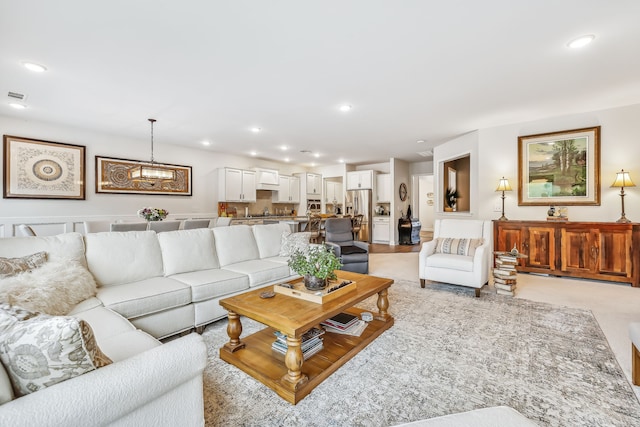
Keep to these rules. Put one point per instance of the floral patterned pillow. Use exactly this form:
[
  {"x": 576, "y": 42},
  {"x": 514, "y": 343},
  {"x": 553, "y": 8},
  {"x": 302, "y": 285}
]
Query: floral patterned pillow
[
  {"x": 39, "y": 350},
  {"x": 294, "y": 241},
  {"x": 13, "y": 266}
]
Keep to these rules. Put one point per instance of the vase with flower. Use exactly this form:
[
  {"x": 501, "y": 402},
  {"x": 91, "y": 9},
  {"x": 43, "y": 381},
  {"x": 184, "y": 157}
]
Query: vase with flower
[{"x": 153, "y": 214}]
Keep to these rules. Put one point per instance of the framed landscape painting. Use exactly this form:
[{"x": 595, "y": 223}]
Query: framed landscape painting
[
  {"x": 35, "y": 169},
  {"x": 559, "y": 168}
]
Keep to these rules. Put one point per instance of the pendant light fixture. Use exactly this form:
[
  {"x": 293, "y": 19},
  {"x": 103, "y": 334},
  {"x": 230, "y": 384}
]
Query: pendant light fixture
[{"x": 152, "y": 173}]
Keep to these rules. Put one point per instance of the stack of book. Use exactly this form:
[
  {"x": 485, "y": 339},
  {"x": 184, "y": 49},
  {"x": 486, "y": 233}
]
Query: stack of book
[
  {"x": 310, "y": 345},
  {"x": 345, "y": 323},
  {"x": 504, "y": 274}
]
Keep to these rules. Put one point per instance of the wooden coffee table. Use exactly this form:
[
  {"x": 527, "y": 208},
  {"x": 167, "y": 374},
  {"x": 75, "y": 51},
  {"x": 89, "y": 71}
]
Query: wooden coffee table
[{"x": 286, "y": 374}]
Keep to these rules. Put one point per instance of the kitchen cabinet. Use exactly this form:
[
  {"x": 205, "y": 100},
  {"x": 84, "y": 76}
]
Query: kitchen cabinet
[
  {"x": 360, "y": 180},
  {"x": 333, "y": 191},
  {"x": 310, "y": 184},
  {"x": 288, "y": 190},
  {"x": 381, "y": 229},
  {"x": 236, "y": 185},
  {"x": 590, "y": 250},
  {"x": 266, "y": 179},
  {"x": 383, "y": 188}
]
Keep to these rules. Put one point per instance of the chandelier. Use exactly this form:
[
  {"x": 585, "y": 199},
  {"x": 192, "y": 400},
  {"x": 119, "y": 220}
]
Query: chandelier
[{"x": 151, "y": 173}]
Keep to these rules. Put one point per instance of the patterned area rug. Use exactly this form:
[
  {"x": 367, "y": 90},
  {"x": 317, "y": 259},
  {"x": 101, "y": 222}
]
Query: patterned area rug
[{"x": 448, "y": 352}]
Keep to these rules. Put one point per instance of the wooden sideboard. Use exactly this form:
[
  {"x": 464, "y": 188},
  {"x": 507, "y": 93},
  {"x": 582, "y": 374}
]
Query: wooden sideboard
[{"x": 591, "y": 250}]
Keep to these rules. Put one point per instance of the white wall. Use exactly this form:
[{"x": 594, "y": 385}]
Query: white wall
[
  {"x": 204, "y": 163},
  {"x": 494, "y": 153}
]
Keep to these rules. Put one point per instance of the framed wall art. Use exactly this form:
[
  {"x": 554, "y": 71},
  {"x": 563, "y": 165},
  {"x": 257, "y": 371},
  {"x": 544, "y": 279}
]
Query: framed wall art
[
  {"x": 559, "y": 168},
  {"x": 35, "y": 169},
  {"x": 123, "y": 177}
]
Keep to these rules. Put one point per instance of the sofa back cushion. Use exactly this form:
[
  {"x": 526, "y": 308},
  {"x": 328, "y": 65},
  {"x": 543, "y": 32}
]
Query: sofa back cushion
[
  {"x": 459, "y": 228},
  {"x": 234, "y": 244},
  {"x": 187, "y": 250},
  {"x": 269, "y": 237},
  {"x": 61, "y": 247},
  {"x": 121, "y": 257}
]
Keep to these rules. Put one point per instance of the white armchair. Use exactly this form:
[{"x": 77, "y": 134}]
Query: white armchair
[{"x": 470, "y": 262}]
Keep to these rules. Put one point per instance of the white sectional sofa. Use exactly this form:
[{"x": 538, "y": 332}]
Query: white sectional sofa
[{"x": 149, "y": 286}]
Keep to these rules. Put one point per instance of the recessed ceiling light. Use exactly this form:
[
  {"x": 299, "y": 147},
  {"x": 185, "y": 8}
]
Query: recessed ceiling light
[
  {"x": 420, "y": 141},
  {"x": 581, "y": 41},
  {"x": 345, "y": 108},
  {"x": 255, "y": 129},
  {"x": 340, "y": 160},
  {"x": 32, "y": 66},
  {"x": 316, "y": 155},
  {"x": 253, "y": 153},
  {"x": 286, "y": 159},
  {"x": 284, "y": 147},
  {"x": 313, "y": 164},
  {"x": 206, "y": 143},
  {"x": 17, "y": 105}
]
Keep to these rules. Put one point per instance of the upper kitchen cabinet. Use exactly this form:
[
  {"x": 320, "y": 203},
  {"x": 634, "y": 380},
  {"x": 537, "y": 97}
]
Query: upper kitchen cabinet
[
  {"x": 236, "y": 185},
  {"x": 333, "y": 192},
  {"x": 383, "y": 188},
  {"x": 288, "y": 190},
  {"x": 267, "y": 179},
  {"x": 360, "y": 180},
  {"x": 311, "y": 184}
]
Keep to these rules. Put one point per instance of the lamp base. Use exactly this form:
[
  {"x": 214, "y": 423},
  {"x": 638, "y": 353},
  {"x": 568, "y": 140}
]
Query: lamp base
[
  {"x": 503, "y": 218},
  {"x": 623, "y": 219}
]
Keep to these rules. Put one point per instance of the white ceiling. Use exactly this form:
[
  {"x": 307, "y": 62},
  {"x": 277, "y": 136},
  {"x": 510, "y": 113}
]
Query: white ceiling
[{"x": 411, "y": 69}]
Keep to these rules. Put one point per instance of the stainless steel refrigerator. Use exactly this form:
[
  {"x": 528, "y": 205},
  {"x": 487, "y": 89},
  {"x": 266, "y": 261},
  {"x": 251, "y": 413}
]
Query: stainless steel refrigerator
[{"x": 361, "y": 202}]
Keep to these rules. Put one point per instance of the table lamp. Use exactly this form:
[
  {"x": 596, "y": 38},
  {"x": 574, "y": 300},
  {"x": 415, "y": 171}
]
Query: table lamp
[
  {"x": 622, "y": 180},
  {"x": 503, "y": 186}
]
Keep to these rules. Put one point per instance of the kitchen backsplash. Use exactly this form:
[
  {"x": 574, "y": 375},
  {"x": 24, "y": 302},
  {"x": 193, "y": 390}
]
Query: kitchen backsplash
[{"x": 263, "y": 201}]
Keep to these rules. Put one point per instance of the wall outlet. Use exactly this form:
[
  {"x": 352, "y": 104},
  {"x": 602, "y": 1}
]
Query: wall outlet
[{"x": 497, "y": 207}]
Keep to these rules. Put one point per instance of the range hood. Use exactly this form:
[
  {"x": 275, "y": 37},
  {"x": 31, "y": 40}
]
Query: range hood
[{"x": 267, "y": 179}]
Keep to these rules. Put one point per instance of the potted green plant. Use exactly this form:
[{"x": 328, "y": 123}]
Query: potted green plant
[
  {"x": 451, "y": 198},
  {"x": 316, "y": 265}
]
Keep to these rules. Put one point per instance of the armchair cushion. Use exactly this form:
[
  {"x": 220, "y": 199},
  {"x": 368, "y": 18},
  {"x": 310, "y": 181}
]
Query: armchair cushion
[
  {"x": 350, "y": 249},
  {"x": 449, "y": 245}
]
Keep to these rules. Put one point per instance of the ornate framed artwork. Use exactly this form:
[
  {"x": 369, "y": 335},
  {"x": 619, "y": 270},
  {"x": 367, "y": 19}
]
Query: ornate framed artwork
[
  {"x": 559, "y": 168},
  {"x": 115, "y": 176},
  {"x": 35, "y": 169}
]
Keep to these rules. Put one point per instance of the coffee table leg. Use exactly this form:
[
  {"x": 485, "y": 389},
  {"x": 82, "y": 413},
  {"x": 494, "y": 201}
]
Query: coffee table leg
[
  {"x": 293, "y": 360},
  {"x": 383, "y": 306},
  {"x": 234, "y": 329}
]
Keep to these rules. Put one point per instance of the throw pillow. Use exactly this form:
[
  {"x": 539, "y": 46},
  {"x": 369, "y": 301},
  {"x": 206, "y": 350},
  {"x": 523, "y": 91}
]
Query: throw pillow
[
  {"x": 292, "y": 242},
  {"x": 13, "y": 266},
  {"x": 54, "y": 288},
  {"x": 466, "y": 247},
  {"x": 39, "y": 351}
]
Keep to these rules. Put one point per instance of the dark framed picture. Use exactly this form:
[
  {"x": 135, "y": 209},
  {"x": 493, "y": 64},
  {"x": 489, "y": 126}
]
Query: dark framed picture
[
  {"x": 134, "y": 177},
  {"x": 36, "y": 169},
  {"x": 559, "y": 168}
]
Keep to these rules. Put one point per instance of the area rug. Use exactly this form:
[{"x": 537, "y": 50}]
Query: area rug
[{"x": 448, "y": 352}]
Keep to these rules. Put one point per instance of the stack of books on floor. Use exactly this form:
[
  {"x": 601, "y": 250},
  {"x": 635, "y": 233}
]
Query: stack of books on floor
[
  {"x": 345, "y": 323},
  {"x": 504, "y": 275},
  {"x": 310, "y": 345}
]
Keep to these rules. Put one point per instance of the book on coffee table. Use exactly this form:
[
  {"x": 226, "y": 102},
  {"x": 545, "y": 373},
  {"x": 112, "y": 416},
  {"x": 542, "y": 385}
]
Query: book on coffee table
[{"x": 340, "y": 321}]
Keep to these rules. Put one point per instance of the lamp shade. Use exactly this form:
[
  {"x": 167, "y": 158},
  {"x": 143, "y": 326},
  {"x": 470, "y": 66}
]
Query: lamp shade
[
  {"x": 623, "y": 180},
  {"x": 504, "y": 185}
]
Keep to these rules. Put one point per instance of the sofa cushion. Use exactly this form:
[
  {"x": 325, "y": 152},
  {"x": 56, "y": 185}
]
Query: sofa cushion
[
  {"x": 115, "y": 258},
  {"x": 207, "y": 284},
  {"x": 292, "y": 242},
  {"x": 235, "y": 244},
  {"x": 451, "y": 262},
  {"x": 128, "y": 344},
  {"x": 463, "y": 246},
  {"x": 62, "y": 246},
  {"x": 54, "y": 288},
  {"x": 268, "y": 237},
  {"x": 40, "y": 350},
  {"x": 260, "y": 271},
  {"x": 145, "y": 296},
  {"x": 187, "y": 250},
  {"x": 11, "y": 266}
]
